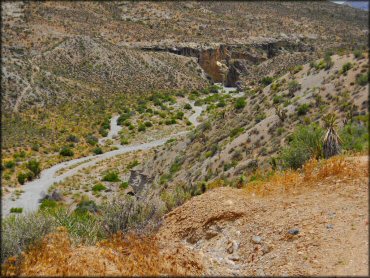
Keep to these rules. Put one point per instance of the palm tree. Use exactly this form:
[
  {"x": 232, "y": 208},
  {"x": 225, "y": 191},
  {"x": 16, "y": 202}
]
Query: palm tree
[{"x": 332, "y": 141}]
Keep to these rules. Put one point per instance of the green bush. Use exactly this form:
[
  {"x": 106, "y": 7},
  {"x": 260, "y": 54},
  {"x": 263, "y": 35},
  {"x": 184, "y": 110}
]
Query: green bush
[
  {"x": 221, "y": 103},
  {"x": 19, "y": 232},
  {"x": 98, "y": 187},
  {"x": 91, "y": 139},
  {"x": 303, "y": 109},
  {"x": 34, "y": 166},
  {"x": 9, "y": 164},
  {"x": 305, "y": 142},
  {"x": 179, "y": 115},
  {"x": 123, "y": 185},
  {"x": 111, "y": 176},
  {"x": 187, "y": 106},
  {"x": 16, "y": 210},
  {"x": 23, "y": 177},
  {"x": 267, "y": 80},
  {"x": 48, "y": 204},
  {"x": 170, "y": 121},
  {"x": 260, "y": 117},
  {"x": 132, "y": 164},
  {"x": 277, "y": 99},
  {"x": 240, "y": 103},
  {"x": 35, "y": 147},
  {"x": 362, "y": 79},
  {"x": 66, "y": 151},
  {"x": 346, "y": 67},
  {"x": 358, "y": 54},
  {"x": 86, "y": 206},
  {"x": 236, "y": 132},
  {"x": 293, "y": 86},
  {"x": 355, "y": 136},
  {"x": 103, "y": 132},
  {"x": 124, "y": 141},
  {"x": 148, "y": 124},
  {"x": 141, "y": 127},
  {"x": 97, "y": 150},
  {"x": 72, "y": 138},
  {"x": 176, "y": 166}
]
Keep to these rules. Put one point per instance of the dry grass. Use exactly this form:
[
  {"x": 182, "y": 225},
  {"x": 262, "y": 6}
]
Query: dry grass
[
  {"x": 120, "y": 255},
  {"x": 313, "y": 173}
]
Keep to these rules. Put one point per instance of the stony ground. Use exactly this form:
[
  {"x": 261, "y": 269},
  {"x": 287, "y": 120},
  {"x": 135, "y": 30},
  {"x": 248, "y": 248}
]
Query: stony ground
[
  {"x": 318, "y": 230},
  {"x": 308, "y": 225}
]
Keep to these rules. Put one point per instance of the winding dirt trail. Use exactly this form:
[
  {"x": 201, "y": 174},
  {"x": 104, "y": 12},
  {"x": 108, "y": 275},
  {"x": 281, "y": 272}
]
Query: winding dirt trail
[{"x": 35, "y": 189}]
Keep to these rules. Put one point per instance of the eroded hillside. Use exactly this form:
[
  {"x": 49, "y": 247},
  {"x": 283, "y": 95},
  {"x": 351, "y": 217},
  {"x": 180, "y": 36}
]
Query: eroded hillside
[{"x": 322, "y": 229}]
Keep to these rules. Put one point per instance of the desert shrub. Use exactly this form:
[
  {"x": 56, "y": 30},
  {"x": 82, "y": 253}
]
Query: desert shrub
[
  {"x": 103, "y": 132},
  {"x": 170, "y": 121},
  {"x": 221, "y": 103},
  {"x": 175, "y": 197},
  {"x": 129, "y": 213},
  {"x": 198, "y": 102},
  {"x": 48, "y": 204},
  {"x": 293, "y": 86},
  {"x": 35, "y": 147},
  {"x": 97, "y": 150},
  {"x": 98, "y": 187},
  {"x": 34, "y": 166},
  {"x": 124, "y": 141},
  {"x": 123, "y": 118},
  {"x": 91, "y": 139},
  {"x": 328, "y": 61},
  {"x": 236, "y": 132},
  {"x": 240, "y": 103},
  {"x": 362, "y": 79},
  {"x": 297, "y": 69},
  {"x": 148, "y": 124},
  {"x": 267, "y": 80},
  {"x": 86, "y": 206},
  {"x": 303, "y": 109},
  {"x": 72, "y": 138},
  {"x": 260, "y": 117},
  {"x": 212, "y": 151},
  {"x": 18, "y": 232},
  {"x": 305, "y": 143},
  {"x": 277, "y": 99},
  {"x": 358, "y": 54},
  {"x": 187, "y": 106},
  {"x": 16, "y": 210},
  {"x": 355, "y": 136},
  {"x": 141, "y": 127},
  {"x": 132, "y": 164},
  {"x": 111, "y": 176},
  {"x": 124, "y": 185},
  {"x": 179, "y": 115},
  {"x": 280, "y": 130},
  {"x": 176, "y": 166},
  {"x": 9, "y": 164},
  {"x": 205, "y": 126},
  {"x": 23, "y": 177},
  {"x": 346, "y": 67},
  {"x": 66, "y": 151}
]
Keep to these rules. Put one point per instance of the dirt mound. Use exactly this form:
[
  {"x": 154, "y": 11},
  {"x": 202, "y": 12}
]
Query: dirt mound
[{"x": 316, "y": 229}]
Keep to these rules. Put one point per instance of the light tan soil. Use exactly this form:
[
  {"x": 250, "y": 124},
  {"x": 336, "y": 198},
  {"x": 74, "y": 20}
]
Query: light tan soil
[{"x": 332, "y": 219}]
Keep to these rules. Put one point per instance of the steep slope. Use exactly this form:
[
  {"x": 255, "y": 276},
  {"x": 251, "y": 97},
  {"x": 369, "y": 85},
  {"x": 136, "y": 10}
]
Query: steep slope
[
  {"x": 309, "y": 223},
  {"x": 251, "y": 32},
  {"x": 304, "y": 227},
  {"x": 81, "y": 67},
  {"x": 236, "y": 142}
]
